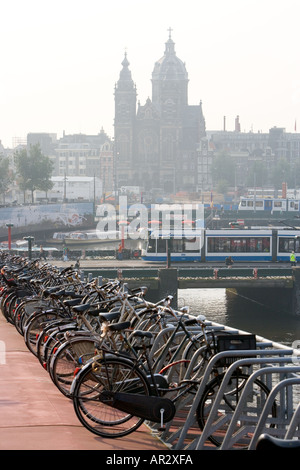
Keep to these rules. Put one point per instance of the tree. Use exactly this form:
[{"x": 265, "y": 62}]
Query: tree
[
  {"x": 257, "y": 175},
  {"x": 5, "y": 177},
  {"x": 34, "y": 170},
  {"x": 280, "y": 173},
  {"x": 293, "y": 179},
  {"x": 223, "y": 172}
]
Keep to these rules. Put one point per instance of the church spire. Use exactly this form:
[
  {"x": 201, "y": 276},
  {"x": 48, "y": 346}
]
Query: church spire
[
  {"x": 170, "y": 45},
  {"x": 125, "y": 79}
]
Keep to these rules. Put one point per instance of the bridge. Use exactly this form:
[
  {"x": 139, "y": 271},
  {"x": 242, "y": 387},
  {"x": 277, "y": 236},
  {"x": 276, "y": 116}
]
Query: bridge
[
  {"x": 208, "y": 277},
  {"x": 162, "y": 281}
]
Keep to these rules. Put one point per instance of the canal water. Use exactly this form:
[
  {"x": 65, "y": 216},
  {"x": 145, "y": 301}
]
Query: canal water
[{"x": 228, "y": 307}]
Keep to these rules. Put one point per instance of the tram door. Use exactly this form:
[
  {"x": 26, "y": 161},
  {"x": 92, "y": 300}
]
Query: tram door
[{"x": 268, "y": 205}]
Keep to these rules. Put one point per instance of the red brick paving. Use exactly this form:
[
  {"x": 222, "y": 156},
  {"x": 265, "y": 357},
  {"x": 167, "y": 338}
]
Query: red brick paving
[{"x": 34, "y": 415}]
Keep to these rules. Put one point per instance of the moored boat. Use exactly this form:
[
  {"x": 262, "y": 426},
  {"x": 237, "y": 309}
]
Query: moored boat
[{"x": 91, "y": 238}]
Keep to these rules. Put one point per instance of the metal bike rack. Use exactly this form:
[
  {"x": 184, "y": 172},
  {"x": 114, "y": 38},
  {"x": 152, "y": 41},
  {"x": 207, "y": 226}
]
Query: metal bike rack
[
  {"x": 258, "y": 428},
  {"x": 288, "y": 432},
  {"x": 271, "y": 360}
]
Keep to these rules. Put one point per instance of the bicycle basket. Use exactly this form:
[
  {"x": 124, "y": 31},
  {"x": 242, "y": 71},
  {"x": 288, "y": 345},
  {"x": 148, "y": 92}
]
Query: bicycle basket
[{"x": 233, "y": 342}]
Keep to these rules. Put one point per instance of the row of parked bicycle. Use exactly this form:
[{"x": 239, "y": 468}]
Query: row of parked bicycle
[{"x": 119, "y": 357}]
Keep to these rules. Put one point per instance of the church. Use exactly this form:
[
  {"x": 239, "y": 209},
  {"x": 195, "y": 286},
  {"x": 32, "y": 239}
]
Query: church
[{"x": 157, "y": 143}]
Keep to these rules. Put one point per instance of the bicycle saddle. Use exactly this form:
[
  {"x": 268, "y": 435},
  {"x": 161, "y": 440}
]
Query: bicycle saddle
[
  {"x": 109, "y": 316},
  {"x": 81, "y": 308},
  {"x": 142, "y": 334},
  {"x": 119, "y": 326},
  {"x": 72, "y": 302}
]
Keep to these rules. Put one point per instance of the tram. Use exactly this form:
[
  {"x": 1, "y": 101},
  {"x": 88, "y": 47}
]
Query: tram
[
  {"x": 183, "y": 245},
  {"x": 269, "y": 204},
  {"x": 253, "y": 245}
]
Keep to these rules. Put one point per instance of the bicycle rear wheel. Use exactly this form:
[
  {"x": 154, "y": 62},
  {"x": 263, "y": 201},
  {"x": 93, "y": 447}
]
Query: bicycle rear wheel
[{"x": 93, "y": 392}]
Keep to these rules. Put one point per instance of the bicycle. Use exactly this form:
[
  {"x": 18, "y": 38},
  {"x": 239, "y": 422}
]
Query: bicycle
[
  {"x": 113, "y": 395},
  {"x": 72, "y": 348}
]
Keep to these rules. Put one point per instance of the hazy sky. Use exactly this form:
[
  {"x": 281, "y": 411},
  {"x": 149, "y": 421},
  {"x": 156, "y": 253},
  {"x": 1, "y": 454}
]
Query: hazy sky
[{"x": 60, "y": 60}]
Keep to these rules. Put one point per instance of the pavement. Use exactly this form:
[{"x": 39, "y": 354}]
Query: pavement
[
  {"x": 139, "y": 263},
  {"x": 34, "y": 415},
  {"x": 106, "y": 263}
]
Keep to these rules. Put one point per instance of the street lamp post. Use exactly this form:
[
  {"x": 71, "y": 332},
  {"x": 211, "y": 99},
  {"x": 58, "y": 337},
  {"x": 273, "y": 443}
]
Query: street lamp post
[
  {"x": 29, "y": 240},
  {"x": 9, "y": 226},
  {"x": 65, "y": 188}
]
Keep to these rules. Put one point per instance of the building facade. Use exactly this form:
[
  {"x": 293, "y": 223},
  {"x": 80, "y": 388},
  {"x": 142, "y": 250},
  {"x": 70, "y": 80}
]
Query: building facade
[
  {"x": 72, "y": 189},
  {"x": 156, "y": 142},
  {"x": 79, "y": 154}
]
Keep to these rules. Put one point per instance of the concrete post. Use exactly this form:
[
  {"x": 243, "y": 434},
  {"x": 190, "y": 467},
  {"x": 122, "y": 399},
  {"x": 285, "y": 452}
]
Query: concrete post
[
  {"x": 296, "y": 290},
  {"x": 168, "y": 284},
  {"x": 274, "y": 245}
]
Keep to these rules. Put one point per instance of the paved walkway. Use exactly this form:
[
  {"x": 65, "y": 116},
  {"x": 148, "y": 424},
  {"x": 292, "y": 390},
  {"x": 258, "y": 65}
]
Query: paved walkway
[
  {"x": 107, "y": 263},
  {"x": 34, "y": 415}
]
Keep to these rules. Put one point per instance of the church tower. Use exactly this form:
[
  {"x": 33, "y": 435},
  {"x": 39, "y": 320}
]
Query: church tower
[
  {"x": 157, "y": 144},
  {"x": 125, "y": 114},
  {"x": 170, "y": 84}
]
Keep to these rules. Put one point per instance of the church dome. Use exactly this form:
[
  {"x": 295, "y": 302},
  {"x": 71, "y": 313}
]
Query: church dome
[{"x": 169, "y": 67}]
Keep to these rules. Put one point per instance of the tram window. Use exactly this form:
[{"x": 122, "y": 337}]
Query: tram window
[
  {"x": 238, "y": 245},
  {"x": 259, "y": 203},
  {"x": 266, "y": 245},
  {"x": 286, "y": 245},
  {"x": 151, "y": 246},
  {"x": 161, "y": 245},
  {"x": 218, "y": 245},
  {"x": 177, "y": 245},
  {"x": 191, "y": 244},
  {"x": 277, "y": 203},
  {"x": 294, "y": 205}
]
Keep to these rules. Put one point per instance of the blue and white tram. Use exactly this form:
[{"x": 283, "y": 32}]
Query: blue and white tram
[
  {"x": 183, "y": 245},
  {"x": 216, "y": 245},
  {"x": 269, "y": 204},
  {"x": 241, "y": 245}
]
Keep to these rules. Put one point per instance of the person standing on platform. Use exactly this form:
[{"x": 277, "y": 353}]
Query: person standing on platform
[
  {"x": 229, "y": 262},
  {"x": 293, "y": 259},
  {"x": 42, "y": 253}
]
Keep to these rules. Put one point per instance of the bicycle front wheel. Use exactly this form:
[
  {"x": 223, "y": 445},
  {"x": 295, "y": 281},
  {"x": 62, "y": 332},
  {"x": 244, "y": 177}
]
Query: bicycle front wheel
[{"x": 93, "y": 390}]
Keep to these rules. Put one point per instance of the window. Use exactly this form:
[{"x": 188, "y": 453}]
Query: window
[
  {"x": 238, "y": 244},
  {"x": 287, "y": 245},
  {"x": 161, "y": 245},
  {"x": 177, "y": 245}
]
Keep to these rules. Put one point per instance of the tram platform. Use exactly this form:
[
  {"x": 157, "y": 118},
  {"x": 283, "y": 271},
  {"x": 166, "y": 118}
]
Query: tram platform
[{"x": 34, "y": 415}]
